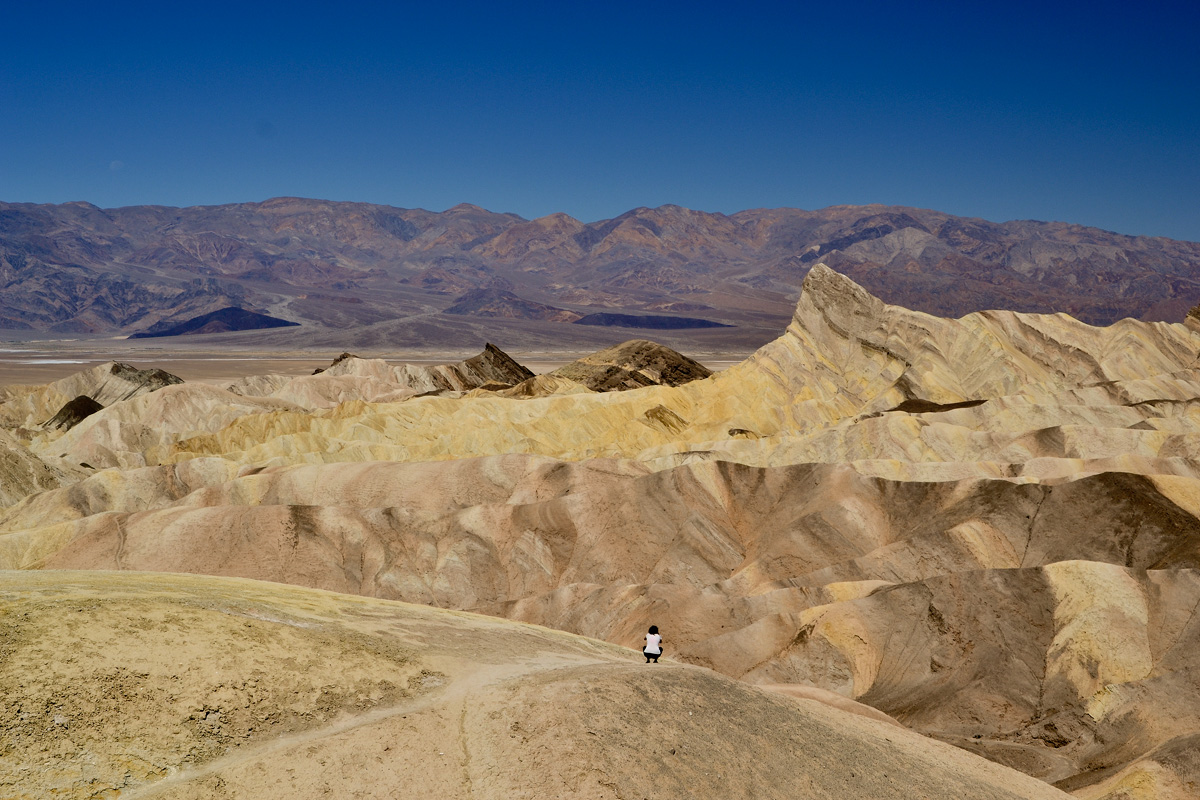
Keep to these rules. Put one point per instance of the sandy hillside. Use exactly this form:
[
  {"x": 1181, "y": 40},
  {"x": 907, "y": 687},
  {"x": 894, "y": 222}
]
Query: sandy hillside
[{"x": 167, "y": 686}]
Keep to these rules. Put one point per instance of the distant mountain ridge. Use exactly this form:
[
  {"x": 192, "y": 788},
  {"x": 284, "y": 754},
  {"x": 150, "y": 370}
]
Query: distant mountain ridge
[{"x": 76, "y": 268}]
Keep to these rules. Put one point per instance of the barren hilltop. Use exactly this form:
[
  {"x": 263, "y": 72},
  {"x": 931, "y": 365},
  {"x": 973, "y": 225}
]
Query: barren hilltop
[{"x": 883, "y": 534}]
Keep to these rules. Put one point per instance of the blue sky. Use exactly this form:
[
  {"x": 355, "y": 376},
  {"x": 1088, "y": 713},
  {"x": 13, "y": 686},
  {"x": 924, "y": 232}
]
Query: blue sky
[{"x": 1086, "y": 113}]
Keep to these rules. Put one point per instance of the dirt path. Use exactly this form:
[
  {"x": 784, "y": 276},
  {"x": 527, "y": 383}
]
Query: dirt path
[{"x": 454, "y": 697}]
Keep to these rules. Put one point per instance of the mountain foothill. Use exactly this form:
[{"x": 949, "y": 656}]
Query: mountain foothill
[{"x": 891, "y": 554}]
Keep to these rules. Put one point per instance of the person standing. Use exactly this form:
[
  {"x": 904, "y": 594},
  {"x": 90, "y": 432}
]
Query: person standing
[{"x": 653, "y": 648}]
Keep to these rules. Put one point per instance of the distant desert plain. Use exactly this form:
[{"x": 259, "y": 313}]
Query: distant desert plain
[{"x": 892, "y": 554}]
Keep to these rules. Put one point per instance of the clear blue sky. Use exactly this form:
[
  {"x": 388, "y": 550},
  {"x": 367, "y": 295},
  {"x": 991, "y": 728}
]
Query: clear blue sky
[{"x": 1086, "y": 113}]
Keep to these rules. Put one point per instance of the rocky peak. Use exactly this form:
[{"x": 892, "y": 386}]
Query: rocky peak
[
  {"x": 632, "y": 365},
  {"x": 1192, "y": 320},
  {"x": 494, "y": 365},
  {"x": 830, "y": 299},
  {"x": 116, "y": 381}
]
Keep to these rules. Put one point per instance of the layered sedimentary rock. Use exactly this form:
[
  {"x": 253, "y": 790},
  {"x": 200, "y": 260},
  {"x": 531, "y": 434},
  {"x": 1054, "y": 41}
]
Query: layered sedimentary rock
[
  {"x": 373, "y": 380},
  {"x": 987, "y": 528},
  {"x": 632, "y": 365},
  {"x": 192, "y": 687},
  {"x": 22, "y": 473},
  {"x": 106, "y": 384},
  {"x": 829, "y": 389}
]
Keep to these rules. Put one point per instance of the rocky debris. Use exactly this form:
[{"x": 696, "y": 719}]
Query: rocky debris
[{"x": 664, "y": 419}]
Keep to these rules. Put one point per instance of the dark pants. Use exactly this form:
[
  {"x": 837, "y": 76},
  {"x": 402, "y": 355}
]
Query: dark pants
[{"x": 650, "y": 656}]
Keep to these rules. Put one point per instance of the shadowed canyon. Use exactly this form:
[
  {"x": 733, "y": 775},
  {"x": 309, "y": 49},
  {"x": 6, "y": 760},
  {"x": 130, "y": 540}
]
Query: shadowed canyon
[{"x": 892, "y": 554}]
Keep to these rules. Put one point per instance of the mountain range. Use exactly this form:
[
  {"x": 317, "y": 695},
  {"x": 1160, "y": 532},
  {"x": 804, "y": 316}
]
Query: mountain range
[{"x": 357, "y": 274}]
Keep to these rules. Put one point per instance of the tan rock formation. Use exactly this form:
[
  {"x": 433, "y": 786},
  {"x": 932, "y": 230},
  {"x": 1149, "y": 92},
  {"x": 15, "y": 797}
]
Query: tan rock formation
[
  {"x": 157, "y": 686},
  {"x": 22, "y": 473},
  {"x": 987, "y": 528},
  {"x": 124, "y": 433},
  {"x": 632, "y": 365},
  {"x": 31, "y": 406},
  {"x": 373, "y": 380},
  {"x": 845, "y": 357},
  {"x": 541, "y": 386},
  {"x": 1063, "y": 672}
]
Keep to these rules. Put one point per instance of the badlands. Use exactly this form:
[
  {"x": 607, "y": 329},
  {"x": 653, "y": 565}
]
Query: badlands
[{"x": 893, "y": 555}]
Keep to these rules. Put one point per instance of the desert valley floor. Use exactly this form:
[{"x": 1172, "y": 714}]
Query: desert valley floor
[{"x": 892, "y": 555}]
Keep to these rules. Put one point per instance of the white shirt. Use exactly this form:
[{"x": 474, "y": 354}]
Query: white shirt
[{"x": 652, "y": 643}]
